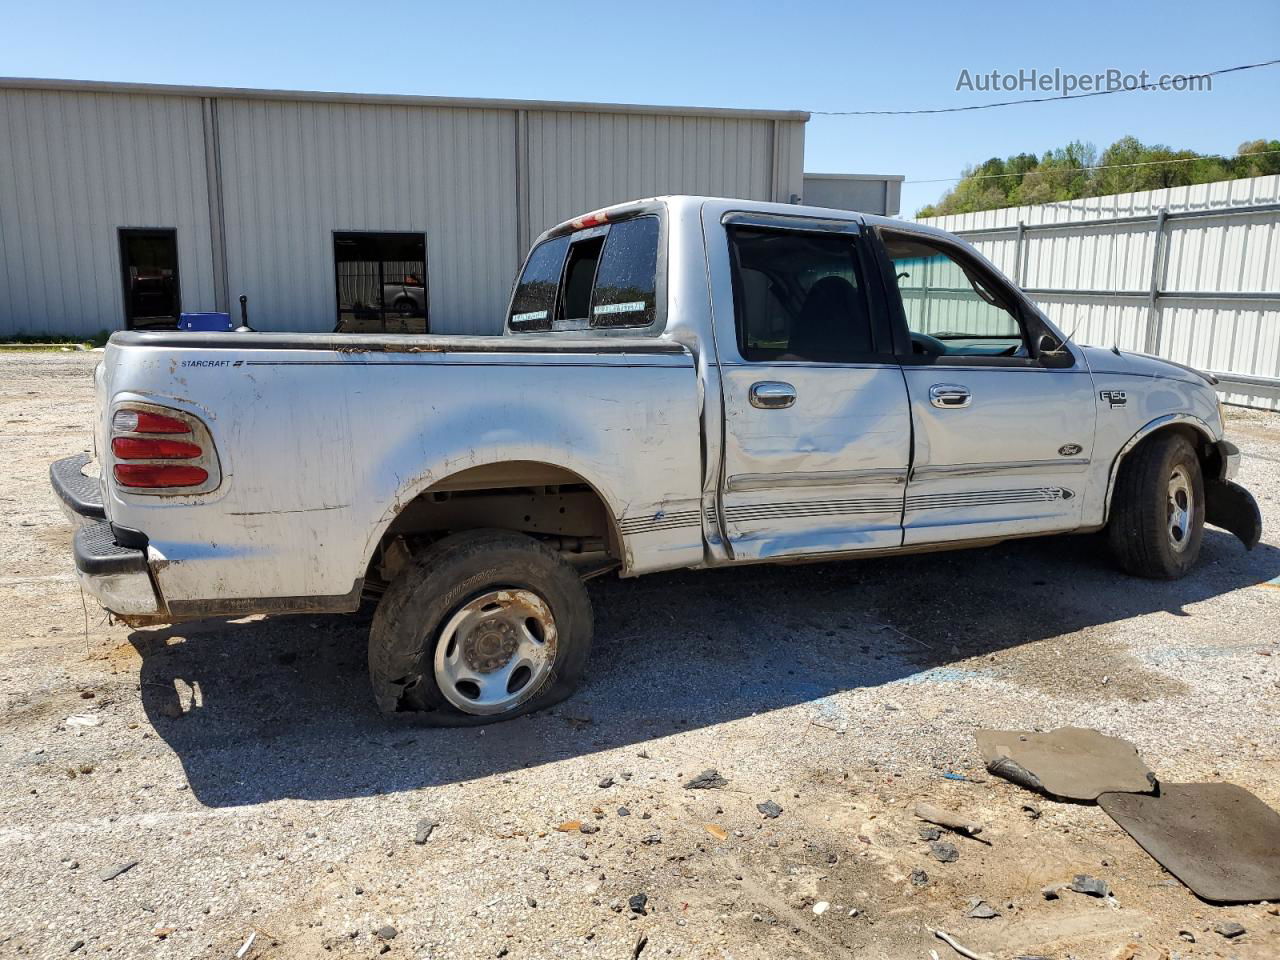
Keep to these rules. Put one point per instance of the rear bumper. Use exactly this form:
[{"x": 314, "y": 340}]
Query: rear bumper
[{"x": 111, "y": 563}]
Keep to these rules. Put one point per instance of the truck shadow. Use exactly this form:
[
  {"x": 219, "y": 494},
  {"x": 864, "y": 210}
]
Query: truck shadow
[{"x": 280, "y": 707}]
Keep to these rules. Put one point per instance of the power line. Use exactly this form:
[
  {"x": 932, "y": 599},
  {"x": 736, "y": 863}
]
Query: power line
[
  {"x": 1064, "y": 96},
  {"x": 1104, "y": 166}
]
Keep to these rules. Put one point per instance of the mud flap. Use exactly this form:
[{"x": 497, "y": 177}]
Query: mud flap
[{"x": 1231, "y": 507}]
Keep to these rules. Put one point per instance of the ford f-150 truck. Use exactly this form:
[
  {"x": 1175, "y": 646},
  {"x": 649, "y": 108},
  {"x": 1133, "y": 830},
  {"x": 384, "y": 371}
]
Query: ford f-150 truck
[{"x": 683, "y": 382}]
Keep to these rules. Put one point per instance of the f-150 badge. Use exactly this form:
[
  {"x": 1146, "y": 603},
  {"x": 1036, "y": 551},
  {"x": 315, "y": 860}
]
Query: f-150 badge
[{"x": 1117, "y": 398}]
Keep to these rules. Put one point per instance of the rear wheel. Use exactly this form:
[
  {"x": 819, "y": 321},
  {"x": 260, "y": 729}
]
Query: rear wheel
[
  {"x": 1157, "y": 513},
  {"x": 481, "y": 626}
]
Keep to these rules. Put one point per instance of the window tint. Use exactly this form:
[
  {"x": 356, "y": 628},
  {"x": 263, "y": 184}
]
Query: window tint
[
  {"x": 947, "y": 300},
  {"x": 535, "y": 296},
  {"x": 627, "y": 276},
  {"x": 799, "y": 296},
  {"x": 381, "y": 282}
]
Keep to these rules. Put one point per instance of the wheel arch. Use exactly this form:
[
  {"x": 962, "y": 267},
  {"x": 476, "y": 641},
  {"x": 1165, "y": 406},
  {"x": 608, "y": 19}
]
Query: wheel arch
[
  {"x": 501, "y": 479},
  {"x": 1199, "y": 433}
]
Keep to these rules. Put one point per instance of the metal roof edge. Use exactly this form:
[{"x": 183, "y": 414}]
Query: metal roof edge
[
  {"x": 387, "y": 99},
  {"x": 895, "y": 177}
]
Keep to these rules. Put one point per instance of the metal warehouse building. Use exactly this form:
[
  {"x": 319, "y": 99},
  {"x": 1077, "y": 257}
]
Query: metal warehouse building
[{"x": 123, "y": 204}]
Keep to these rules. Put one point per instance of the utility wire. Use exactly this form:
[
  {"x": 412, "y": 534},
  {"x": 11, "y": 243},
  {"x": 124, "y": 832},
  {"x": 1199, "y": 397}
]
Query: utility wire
[
  {"x": 1064, "y": 96},
  {"x": 1105, "y": 166}
]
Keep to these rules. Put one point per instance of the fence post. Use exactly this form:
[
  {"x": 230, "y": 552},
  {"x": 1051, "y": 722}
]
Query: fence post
[
  {"x": 1152, "y": 341},
  {"x": 1017, "y": 253}
]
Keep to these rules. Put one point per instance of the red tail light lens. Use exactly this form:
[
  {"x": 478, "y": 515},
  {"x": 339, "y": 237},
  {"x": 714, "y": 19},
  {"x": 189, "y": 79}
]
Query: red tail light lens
[
  {"x": 159, "y": 475},
  {"x": 151, "y": 448},
  {"x": 141, "y": 421}
]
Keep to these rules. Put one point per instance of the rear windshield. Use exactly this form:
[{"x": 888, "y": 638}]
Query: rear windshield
[{"x": 590, "y": 280}]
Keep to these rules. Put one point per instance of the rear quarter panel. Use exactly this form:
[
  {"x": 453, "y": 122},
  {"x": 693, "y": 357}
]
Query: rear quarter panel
[{"x": 319, "y": 449}]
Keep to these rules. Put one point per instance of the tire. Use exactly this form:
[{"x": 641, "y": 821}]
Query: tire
[
  {"x": 1149, "y": 536},
  {"x": 469, "y": 610}
]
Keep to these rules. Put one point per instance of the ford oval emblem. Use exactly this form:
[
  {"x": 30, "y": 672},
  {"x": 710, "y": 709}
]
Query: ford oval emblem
[{"x": 1070, "y": 449}]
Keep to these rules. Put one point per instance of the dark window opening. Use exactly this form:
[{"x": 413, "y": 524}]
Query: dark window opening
[
  {"x": 149, "y": 268},
  {"x": 381, "y": 280},
  {"x": 800, "y": 296},
  {"x": 579, "y": 274}
]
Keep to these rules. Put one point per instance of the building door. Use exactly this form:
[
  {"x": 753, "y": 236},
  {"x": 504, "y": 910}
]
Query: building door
[
  {"x": 381, "y": 281},
  {"x": 149, "y": 270}
]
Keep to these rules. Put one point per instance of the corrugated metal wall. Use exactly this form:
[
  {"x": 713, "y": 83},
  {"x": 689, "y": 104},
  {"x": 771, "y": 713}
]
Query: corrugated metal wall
[
  {"x": 76, "y": 167},
  {"x": 295, "y": 172},
  {"x": 479, "y": 182},
  {"x": 1098, "y": 280}
]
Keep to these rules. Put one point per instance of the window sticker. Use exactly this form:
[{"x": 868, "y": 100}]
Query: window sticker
[
  {"x": 526, "y": 317},
  {"x": 631, "y": 306}
]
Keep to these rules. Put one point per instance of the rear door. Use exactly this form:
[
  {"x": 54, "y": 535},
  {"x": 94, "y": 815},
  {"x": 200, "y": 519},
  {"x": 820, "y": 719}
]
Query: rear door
[
  {"x": 817, "y": 429},
  {"x": 1003, "y": 423}
]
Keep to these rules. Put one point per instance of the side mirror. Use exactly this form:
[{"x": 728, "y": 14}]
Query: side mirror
[{"x": 1048, "y": 343}]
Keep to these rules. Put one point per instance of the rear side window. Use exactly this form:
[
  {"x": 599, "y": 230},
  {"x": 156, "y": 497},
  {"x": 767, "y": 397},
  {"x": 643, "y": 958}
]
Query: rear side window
[
  {"x": 535, "y": 297},
  {"x": 800, "y": 296},
  {"x": 605, "y": 280},
  {"x": 625, "y": 282}
]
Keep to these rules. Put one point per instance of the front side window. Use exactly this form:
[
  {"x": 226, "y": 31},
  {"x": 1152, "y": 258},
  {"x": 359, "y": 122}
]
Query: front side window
[
  {"x": 601, "y": 279},
  {"x": 951, "y": 308},
  {"x": 799, "y": 296}
]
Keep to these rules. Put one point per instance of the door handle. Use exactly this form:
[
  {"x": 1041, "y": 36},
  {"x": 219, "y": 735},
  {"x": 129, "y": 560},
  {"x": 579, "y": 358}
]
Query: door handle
[
  {"x": 950, "y": 396},
  {"x": 772, "y": 395}
]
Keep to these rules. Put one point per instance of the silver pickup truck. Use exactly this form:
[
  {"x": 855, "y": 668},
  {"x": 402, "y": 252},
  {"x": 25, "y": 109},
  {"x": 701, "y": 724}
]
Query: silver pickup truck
[{"x": 684, "y": 382}]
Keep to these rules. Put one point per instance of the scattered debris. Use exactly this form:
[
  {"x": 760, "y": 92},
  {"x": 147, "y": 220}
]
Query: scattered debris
[
  {"x": 386, "y": 932},
  {"x": 770, "y": 809},
  {"x": 944, "y": 852},
  {"x": 82, "y": 720},
  {"x": 1092, "y": 886},
  {"x": 588, "y": 828},
  {"x": 642, "y": 941},
  {"x": 919, "y": 877},
  {"x": 821, "y": 907},
  {"x": 244, "y": 947},
  {"x": 1229, "y": 929},
  {"x": 717, "y": 831},
  {"x": 1217, "y": 838},
  {"x": 110, "y": 873},
  {"x": 570, "y": 826},
  {"x": 624, "y": 812},
  {"x": 948, "y": 819},
  {"x": 956, "y": 945},
  {"x": 651, "y": 839},
  {"x": 930, "y": 833},
  {"x": 638, "y": 903},
  {"x": 606, "y": 783},
  {"x": 423, "y": 831},
  {"x": 1073, "y": 762},
  {"x": 1187, "y": 935},
  {"x": 979, "y": 909},
  {"x": 1031, "y": 811},
  {"x": 706, "y": 780}
]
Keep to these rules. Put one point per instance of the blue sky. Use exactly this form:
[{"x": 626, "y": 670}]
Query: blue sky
[{"x": 814, "y": 56}]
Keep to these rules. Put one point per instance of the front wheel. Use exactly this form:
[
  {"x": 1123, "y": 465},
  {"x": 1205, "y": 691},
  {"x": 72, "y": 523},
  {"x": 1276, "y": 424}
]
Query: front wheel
[
  {"x": 481, "y": 626},
  {"x": 1157, "y": 514}
]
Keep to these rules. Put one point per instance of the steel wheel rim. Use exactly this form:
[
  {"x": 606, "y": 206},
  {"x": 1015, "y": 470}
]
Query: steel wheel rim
[
  {"x": 495, "y": 651},
  {"x": 1180, "y": 508}
]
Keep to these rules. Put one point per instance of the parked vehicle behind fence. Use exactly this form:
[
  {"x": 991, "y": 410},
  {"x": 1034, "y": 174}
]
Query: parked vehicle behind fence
[{"x": 684, "y": 382}]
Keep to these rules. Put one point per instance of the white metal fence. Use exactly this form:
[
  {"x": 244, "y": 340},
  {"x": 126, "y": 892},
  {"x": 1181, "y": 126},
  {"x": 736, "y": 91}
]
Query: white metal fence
[{"x": 1187, "y": 273}]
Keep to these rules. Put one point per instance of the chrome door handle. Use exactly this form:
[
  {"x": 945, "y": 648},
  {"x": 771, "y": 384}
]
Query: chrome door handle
[
  {"x": 950, "y": 396},
  {"x": 772, "y": 395}
]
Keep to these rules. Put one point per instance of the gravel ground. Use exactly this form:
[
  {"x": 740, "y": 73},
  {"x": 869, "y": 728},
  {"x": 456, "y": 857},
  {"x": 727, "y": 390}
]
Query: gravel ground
[{"x": 242, "y": 770}]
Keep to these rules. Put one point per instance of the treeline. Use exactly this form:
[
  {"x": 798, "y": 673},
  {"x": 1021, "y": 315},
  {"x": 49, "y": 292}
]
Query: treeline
[{"x": 1076, "y": 171}]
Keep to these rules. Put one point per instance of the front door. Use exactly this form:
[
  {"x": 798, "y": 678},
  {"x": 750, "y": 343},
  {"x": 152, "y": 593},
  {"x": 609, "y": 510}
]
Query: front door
[
  {"x": 817, "y": 429},
  {"x": 1003, "y": 418}
]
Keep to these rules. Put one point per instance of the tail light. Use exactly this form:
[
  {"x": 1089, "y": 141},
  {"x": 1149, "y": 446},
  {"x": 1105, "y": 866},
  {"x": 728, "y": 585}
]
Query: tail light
[{"x": 159, "y": 450}]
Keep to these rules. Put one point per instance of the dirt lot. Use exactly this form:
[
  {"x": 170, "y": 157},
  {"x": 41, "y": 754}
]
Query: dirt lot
[{"x": 243, "y": 767}]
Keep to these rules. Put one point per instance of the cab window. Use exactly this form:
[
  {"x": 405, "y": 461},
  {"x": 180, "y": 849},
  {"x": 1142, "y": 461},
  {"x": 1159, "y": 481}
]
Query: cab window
[{"x": 953, "y": 308}]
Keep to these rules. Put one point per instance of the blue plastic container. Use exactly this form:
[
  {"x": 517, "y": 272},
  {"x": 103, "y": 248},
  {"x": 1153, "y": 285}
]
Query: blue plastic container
[{"x": 205, "y": 322}]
